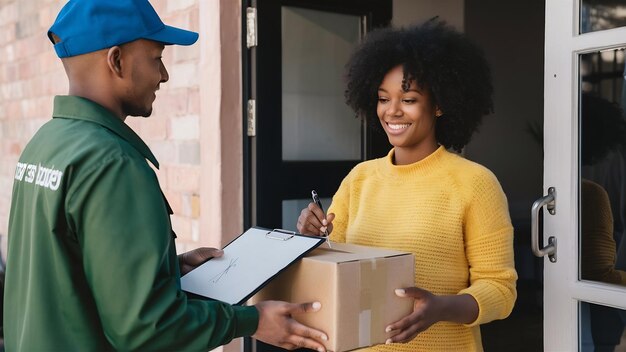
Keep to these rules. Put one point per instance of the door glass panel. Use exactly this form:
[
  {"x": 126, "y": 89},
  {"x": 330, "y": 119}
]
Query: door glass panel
[
  {"x": 602, "y": 210},
  {"x": 316, "y": 123},
  {"x": 292, "y": 209},
  {"x": 597, "y": 15},
  {"x": 601, "y": 328}
]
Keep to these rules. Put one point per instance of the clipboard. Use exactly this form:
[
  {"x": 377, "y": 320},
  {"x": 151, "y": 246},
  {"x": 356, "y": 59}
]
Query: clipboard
[{"x": 249, "y": 262}]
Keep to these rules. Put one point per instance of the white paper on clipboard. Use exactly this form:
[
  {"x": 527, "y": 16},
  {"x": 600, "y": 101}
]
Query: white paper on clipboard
[{"x": 248, "y": 263}]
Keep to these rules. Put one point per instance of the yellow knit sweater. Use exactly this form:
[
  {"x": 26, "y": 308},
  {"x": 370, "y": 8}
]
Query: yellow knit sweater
[{"x": 450, "y": 213}]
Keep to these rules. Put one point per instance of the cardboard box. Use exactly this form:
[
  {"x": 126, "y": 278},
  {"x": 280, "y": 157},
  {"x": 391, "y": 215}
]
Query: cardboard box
[{"x": 355, "y": 285}]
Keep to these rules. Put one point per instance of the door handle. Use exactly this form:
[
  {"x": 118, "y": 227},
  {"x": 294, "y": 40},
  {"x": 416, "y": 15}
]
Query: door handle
[{"x": 549, "y": 201}]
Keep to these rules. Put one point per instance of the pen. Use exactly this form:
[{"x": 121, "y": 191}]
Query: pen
[{"x": 316, "y": 200}]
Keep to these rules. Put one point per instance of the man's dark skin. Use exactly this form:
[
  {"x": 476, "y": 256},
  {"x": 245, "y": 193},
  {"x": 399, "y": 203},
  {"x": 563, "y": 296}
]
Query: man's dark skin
[{"x": 124, "y": 80}]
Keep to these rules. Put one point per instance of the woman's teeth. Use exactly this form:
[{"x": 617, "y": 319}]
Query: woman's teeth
[{"x": 396, "y": 126}]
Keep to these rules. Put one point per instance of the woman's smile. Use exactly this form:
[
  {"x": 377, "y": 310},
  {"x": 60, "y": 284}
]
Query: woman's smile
[{"x": 397, "y": 128}]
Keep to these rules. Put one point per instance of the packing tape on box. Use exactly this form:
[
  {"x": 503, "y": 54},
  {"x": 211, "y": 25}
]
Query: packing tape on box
[{"x": 372, "y": 299}]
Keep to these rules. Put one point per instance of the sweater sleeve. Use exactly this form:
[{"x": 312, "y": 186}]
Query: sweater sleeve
[
  {"x": 341, "y": 208},
  {"x": 489, "y": 250},
  {"x": 130, "y": 264}
]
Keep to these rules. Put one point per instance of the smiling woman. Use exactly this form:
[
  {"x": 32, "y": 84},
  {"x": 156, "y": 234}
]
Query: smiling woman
[
  {"x": 407, "y": 116},
  {"x": 428, "y": 87}
]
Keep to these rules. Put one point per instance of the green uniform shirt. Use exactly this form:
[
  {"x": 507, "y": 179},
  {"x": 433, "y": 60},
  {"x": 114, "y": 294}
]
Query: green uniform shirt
[{"x": 91, "y": 262}]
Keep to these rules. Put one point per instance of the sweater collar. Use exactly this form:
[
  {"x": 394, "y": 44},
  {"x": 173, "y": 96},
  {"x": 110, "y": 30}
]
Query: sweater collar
[
  {"x": 426, "y": 165},
  {"x": 78, "y": 108}
]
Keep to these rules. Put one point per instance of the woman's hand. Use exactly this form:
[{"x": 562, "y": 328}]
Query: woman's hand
[
  {"x": 429, "y": 309},
  {"x": 426, "y": 312},
  {"x": 312, "y": 221}
]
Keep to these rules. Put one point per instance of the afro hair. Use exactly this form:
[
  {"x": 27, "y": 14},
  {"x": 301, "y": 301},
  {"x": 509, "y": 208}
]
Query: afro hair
[{"x": 437, "y": 58}]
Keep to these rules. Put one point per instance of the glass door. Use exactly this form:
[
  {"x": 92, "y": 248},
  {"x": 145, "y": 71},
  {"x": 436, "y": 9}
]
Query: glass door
[
  {"x": 305, "y": 135},
  {"x": 581, "y": 231}
]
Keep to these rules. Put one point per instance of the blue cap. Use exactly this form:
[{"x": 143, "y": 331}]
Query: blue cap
[{"x": 85, "y": 26}]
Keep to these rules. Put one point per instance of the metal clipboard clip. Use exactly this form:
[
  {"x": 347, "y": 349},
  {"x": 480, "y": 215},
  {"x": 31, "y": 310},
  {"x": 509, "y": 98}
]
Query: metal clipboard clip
[{"x": 280, "y": 235}]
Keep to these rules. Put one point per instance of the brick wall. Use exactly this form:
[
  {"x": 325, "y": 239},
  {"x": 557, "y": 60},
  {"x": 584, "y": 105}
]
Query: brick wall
[{"x": 31, "y": 74}]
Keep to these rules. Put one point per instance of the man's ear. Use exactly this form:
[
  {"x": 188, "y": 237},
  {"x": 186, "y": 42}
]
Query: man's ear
[
  {"x": 53, "y": 37},
  {"x": 114, "y": 60}
]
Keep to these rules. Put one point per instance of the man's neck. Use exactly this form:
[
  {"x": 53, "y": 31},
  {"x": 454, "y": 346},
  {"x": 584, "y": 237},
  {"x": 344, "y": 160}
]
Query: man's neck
[{"x": 98, "y": 96}]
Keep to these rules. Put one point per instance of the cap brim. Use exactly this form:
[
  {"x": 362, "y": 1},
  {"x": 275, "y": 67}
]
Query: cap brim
[{"x": 174, "y": 36}]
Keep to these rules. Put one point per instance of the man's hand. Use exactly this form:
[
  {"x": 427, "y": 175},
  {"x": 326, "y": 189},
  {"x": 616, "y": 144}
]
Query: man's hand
[
  {"x": 277, "y": 327},
  {"x": 192, "y": 259}
]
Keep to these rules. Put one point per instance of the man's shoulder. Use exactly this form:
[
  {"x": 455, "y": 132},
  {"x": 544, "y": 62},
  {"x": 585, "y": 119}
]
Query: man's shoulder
[
  {"x": 69, "y": 143},
  {"x": 80, "y": 135}
]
